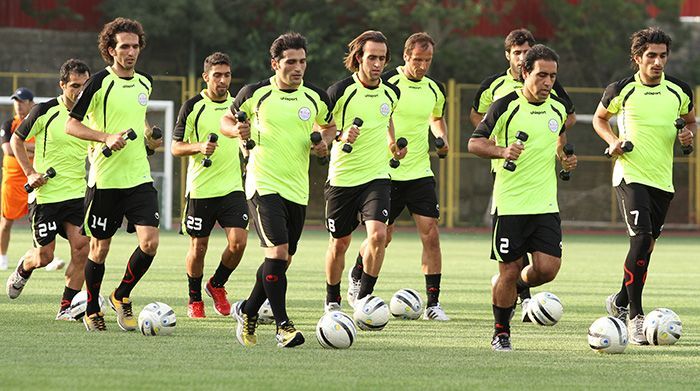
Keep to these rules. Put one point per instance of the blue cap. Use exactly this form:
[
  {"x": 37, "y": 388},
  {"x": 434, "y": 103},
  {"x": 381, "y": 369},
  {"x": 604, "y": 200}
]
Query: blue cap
[{"x": 23, "y": 93}]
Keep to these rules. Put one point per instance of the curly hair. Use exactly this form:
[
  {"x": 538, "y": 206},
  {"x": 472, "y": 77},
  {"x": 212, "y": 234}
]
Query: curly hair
[
  {"x": 357, "y": 46},
  {"x": 108, "y": 36}
]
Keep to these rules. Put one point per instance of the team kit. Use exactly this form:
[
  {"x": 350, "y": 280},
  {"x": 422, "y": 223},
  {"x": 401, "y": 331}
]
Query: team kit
[{"x": 371, "y": 129}]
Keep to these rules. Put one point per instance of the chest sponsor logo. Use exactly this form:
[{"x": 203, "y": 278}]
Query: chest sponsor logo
[
  {"x": 553, "y": 125},
  {"x": 288, "y": 98},
  {"x": 304, "y": 113},
  {"x": 143, "y": 99},
  {"x": 371, "y": 95},
  {"x": 652, "y": 93},
  {"x": 128, "y": 86},
  {"x": 384, "y": 109},
  {"x": 537, "y": 112},
  {"x": 220, "y": 108},
  {"x": 414, "y": 87}
]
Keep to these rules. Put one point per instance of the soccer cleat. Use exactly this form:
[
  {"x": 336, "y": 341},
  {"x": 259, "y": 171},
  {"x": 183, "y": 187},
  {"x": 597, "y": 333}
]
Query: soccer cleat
[
  {"x": 15, "y": 282},
  {"x": 501, "y": 343},
  {"x": 56, "y": 264},
  {"x": 523, "y": 315},
  {"x": 635, "y": 330},
  {"x": 435, "y": 312},
  {"x": 221, "y": 304},
  {"x": 95, "y": 322},
  {"x": 615, "y": 310},
  {"x": 353, "y": 288},
  {"x": 332, "y": 306},
  {"x": 195, "y": 310},
  {"x": 125, "y": 315},
  {"x": 64, "y": 312},
  {"x": 288, "y": 336},
  {"x": 245, "y": 331}
]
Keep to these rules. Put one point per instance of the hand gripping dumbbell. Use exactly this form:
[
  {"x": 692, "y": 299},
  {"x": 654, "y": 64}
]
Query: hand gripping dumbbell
[
  {"x": 315, "y": 140},
  {"x": 521, "y": 137},
  {"x": 212, "y": 138},
  {"x": 241, "y": 116},
  {"x": 129, "y": 135},
  {"x": 50, "y": 173},
  {"x": 401, "y": 143},
  {"x": 568, "y": 151},
  {"x": 680, "y": 124}
]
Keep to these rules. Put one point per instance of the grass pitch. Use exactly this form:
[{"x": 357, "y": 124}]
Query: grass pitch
[{"x": 40, "y": 353}]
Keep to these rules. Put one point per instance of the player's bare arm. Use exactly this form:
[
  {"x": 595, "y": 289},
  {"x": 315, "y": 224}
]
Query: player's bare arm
[
  {"x": 601, "y": 124},
  {"x": 77, "y": 129}
]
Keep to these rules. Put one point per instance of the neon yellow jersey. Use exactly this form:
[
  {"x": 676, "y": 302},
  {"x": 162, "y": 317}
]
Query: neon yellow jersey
[
  {"x": 368, "y": 160},
  {"x": 420, "y": 101},
  {"x": 114, "y": 104},
  {"x": 646, "y": 116},
  {"x": 281, "y": 126},
  {"x": 46, "y": 122}
]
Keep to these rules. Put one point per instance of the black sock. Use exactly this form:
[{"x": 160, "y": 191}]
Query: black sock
[
  {"x": 521, "y": 286},
  {"x": 636, "y": 266},
  {"x": 24, "y": 273},
  {"x": 221, "y": 275},
  {"x": 135, "y": 269},
  {"x": 195, "y": 288},
  {"x": 622, "y": 300},
  {"x": 366, "y": 285},
  {"x": 275, "y": 284},
  {"x": 501, "y": 317},
  {"x": 332, "y": 293},
  {"x": 68, "y": 295},
  {"x": 257, "y": 295},
  {"x": 357, "y": 269},
  {"x": 432, "y": 288},
  {"x": 94, "y": 272}
]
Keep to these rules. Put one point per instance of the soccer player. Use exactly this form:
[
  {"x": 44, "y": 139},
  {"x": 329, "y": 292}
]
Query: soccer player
[
  {"x": 358, "y": 187},
  {"x": 57, "y": 206},
  {"x": 422, "y": 104},
  {"x": 210, "y": 197},
  {"x": 282, "y": 111},
  {"x": 114, "y": 100},
  {"x": 647, "y": 105},
  {"x": 526, "y": 214}
]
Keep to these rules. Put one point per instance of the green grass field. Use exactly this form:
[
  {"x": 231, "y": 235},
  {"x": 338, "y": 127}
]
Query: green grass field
[{"x": 37, "y": 352}]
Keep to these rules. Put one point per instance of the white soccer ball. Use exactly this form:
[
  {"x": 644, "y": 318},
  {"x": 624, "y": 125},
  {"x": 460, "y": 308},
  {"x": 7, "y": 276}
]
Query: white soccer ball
[
  {"x": 608, "y": 335},
  {"x": 545, "y": 309},
  {"x": 336, "y": 330},
  {"x": 406, "y": 304},
  {"x": 265, "y": 315},
  {"x": 662, "y": 327},
  {"x": 371, "y": 313},
  {"x": 157, "y": 319},
  {"x": 79, "y": 304}
]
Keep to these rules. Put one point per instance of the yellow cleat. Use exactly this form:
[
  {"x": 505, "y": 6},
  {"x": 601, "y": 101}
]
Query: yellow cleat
[
  {"x": 288, "y": 336},
  {"x": 245, "y": 331},
  {"x": 95, "y": 322},
  {"x": 125, "y": 315}
]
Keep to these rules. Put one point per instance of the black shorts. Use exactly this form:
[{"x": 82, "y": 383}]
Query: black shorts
[
  {"x": 200, "y": 215},
  {"x": 49, "y": 219},
  {"x": 643, "y": 207},
  {"x": 417, "y": 194},
  {"x": 105, "y": 209},
  {"x": 515, "y": 235},
  {"x": 346, "y": 207},
  {"x": 277, "y": 220}
]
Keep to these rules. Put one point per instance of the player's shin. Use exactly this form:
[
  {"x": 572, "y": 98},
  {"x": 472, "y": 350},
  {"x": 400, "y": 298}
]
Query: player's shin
[
  {"x": 135, "y": 269},
  {"x": 275, "y": 284}
]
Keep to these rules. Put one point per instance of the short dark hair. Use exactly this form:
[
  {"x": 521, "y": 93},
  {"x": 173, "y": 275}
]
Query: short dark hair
[
  {"x": 108, "y": 36},
  {"x": 539, "y": 52},
  {"x": 72, "y": 66},
  {"x": 356, "y": 48},
  {"x": 422, "y": 39},
  {"x": 519, "y": 37},
  {"x": 216, "y": 58},
  {"x": 286, "y": 41},
  {"x": 641, "y": 39}
]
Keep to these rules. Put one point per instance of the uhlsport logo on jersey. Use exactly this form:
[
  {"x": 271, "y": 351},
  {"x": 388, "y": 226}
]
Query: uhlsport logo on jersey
[
  {"x": 553, "y": 125},
  {"x": 384, "y": 109},
  {"x": 304, "y": 113},
  {"x": 143, "y": 99}
]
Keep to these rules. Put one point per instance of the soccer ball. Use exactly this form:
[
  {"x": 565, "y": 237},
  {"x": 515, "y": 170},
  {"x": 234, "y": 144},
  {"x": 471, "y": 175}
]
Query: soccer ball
[
  {"x": 157, "y": 319},
  {"x": 545, "y": 308},
  {"x": 662, "y": 327},
  {"x": 265, "y": 315},
  {"x": 371, "y": 313},
  {"x": 406, "y": 304},
  {"x": 79, "y": 304},
  {"x": 336, "y": 330},
  {"x": 608, "y": 335}
]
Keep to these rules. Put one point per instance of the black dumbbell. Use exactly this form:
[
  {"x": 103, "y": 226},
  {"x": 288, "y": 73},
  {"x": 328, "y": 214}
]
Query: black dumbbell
[
  {"x": 439, "y": 144},
  {"x": 315, "y": 140},
  {"x": 129, "y": 135},
  {"x": 241, "y": 116},
  {"x": 212, "y": 138},
  {"x": 568, "y": 151},
  {"x": 521, "y": 137},
  {"x": 357, "y": 122},
  {"x": 626, "y": 146},
  {"x": 401, "y": 143},
  {"x": 50, "y": 173},
  {"x": 156, "y": 134},
  {"x": 680, "y": 124}
]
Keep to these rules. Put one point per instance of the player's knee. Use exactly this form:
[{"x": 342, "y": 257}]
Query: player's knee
[
  {"x": 548, "y": 271},
  {"x": 149, "y": 245},
  {"x": 378, "y": 237},
  {"x": 99, "y": 250},
  {"x": 238, "y": 245},
  {"x": 340, "y": 245}
]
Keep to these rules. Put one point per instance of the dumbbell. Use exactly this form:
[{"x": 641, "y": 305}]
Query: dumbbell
[
  {"x": 315, "y": 140},
  {"x": 439, "y": 144},
  {"x": 568, "y": 151},
  {"x": 626, "y": 146},
  {"x": 241, "y": 116},
  {"x": 212, "y": 138},
  {"x": 401, "y": 143},
  {"x": 129, "y": 135},
  {"x": 357, "y": 122},
  {"x": 521, "y": 137},
  {"x": 50, "y": 173},
  {"x": 680, "y": 124},
  {"x": 156, "y": 134}
]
